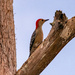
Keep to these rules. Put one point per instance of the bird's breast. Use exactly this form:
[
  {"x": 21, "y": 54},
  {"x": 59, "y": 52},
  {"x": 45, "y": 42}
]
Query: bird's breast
[{"x": 39, "y": 37}]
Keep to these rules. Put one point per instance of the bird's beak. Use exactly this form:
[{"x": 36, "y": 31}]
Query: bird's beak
[{"x": 46, "y": 19}]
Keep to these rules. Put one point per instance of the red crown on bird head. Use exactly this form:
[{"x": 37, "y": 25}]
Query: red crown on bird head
[{"x": 37, "y": 23}]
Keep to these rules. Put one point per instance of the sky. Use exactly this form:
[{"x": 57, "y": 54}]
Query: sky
[{"x": 26, "y": 12}]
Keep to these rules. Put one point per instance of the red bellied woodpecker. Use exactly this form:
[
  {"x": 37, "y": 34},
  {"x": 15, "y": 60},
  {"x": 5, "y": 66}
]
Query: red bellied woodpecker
[{"x": 37, "y": 36}]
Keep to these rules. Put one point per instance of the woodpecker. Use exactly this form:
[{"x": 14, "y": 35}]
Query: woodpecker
[{"x": 37, "y": 36}]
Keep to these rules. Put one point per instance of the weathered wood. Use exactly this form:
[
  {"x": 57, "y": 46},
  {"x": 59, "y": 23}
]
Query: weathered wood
[
  {"x": 7, "y": 39},
  {"x": 63, "y": 30}
]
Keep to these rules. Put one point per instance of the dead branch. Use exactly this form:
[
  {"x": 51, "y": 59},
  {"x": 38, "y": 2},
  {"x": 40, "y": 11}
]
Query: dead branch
[{"x": 63, "y": 30}]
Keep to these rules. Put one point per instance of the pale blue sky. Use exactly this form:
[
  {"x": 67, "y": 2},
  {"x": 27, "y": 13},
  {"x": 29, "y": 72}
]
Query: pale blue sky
[{"x": 26, "y": 12}]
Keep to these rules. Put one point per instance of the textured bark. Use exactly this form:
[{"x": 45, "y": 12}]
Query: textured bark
[
  {"x": 63, "y": 30},
  {"x": 7, "y": 39}
]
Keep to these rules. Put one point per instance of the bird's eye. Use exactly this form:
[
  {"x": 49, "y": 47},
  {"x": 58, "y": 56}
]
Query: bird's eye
[{"x": 42, "y": 19}]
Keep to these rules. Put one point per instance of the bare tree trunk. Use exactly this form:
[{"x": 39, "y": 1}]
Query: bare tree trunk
[
  {"x": 7, "y": 39},
  {"x": 63, "y": 30}
]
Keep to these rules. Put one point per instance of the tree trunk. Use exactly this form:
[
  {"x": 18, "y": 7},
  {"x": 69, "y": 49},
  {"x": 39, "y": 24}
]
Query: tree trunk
[
  {"x": 7, "y": 39},
  {"x": 63, "y": 30}
]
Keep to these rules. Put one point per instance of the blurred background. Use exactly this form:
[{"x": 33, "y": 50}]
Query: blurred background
[{"x": 26, "y": 12}]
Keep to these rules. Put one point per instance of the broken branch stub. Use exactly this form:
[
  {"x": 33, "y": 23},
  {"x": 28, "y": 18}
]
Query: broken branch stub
[{"x": 59, "y": 17}]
